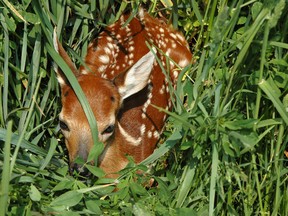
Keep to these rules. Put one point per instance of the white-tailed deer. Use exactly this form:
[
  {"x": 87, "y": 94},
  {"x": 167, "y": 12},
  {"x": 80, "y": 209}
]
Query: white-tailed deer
[{"x": 122, "y": 82}]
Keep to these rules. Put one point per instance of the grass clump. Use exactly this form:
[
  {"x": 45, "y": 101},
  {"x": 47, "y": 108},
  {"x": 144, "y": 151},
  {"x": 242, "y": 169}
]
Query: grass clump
[{"x": 223, "y": 148}]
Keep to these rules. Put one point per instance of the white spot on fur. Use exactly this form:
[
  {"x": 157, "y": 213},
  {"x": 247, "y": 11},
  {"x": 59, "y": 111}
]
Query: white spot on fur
[
  {"x": 102, "y": 68},
  {"x": 149, "y": 134},
  {"x": 147, "y": 103},
  {"x": 131, "y": 55},
  {"x": 141, "y": 14},
  {"x": 150, "y": 95},
  {"x": 162, "y": 90},
  {"x": 164, "y": 118},
  {"x": 143, "y": 129},
  {"x": 150, "y": 35},
  {"x": 168, "y": 52},
  {"x": 174, "y": 45},
  {"x": 180, "y": 37},
  {"x": 122, "y": 20},
  {"x": 171, "y": 64},
  {"x": 107, "y": 50},
  {"x": 110, "y": 45},
  {"x": 183, "y": 63},
  {"x": 175, "y": 74},
  {"x": 156, "y": 134},
  {"x": 167, "y": 88},
  {"x": 131, "y": 140},
  {"x": 104, "y": 59},
  {"x": 130, "y": 62},
  {"x": 173, "y": 36},
  {"x": 109, "y": 39},
  {"x": 84, "y": 71}
]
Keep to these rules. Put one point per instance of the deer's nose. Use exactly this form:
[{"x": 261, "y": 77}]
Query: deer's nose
[{"x": 80, "y": 169}]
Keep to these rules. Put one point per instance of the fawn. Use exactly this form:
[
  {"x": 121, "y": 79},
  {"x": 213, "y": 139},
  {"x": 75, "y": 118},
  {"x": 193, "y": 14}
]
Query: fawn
[{"x": 123, "y": 80}]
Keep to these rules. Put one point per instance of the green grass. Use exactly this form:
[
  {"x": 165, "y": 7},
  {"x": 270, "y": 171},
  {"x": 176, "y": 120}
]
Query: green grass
[{"x": 222, "y": 150}]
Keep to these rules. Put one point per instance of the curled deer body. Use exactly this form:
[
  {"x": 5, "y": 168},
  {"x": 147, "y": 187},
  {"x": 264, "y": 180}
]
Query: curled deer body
[{"x": 122, "y": 82}]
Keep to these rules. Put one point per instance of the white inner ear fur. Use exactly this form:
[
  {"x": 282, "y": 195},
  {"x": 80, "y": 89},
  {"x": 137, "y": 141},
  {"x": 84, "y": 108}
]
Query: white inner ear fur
[{"x": 138, "y": 75}]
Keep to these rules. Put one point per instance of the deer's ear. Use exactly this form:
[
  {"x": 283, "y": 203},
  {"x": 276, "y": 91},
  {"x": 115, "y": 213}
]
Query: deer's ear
[
  {"x": 60, "y": 50},
  {"x": 136, "y": 78}
]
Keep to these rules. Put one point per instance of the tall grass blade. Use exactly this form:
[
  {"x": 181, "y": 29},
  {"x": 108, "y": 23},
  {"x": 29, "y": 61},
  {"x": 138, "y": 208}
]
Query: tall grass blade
[
  {"x": 186, "y": 183},
  {"x": 214, "y": 177},
  {"x": 5, "y": 175},
  {"x": 269, "y": 91},
  {"x": 6, "y": 72}
]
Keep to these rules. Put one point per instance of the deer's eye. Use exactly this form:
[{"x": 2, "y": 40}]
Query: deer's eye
[
  {"x": 63, "y": 126},
  {"x": 109, "y": 129}
]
